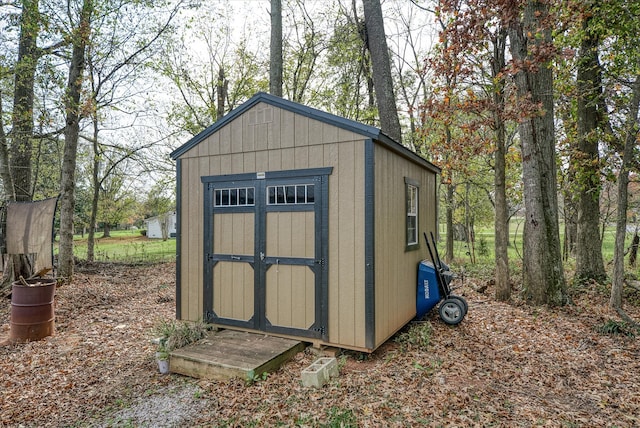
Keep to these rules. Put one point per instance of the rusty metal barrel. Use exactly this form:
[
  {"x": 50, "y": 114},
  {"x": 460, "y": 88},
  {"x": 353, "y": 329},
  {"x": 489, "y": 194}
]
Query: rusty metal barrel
[{"x": 32, "y": 310}]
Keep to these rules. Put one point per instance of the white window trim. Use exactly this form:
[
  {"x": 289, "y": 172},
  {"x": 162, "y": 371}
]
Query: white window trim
[{"x": 412, "y": 211}]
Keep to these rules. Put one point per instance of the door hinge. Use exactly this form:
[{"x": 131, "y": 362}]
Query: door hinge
[
  {"x": 319, "y": 262},
  {"x": 322, "y": 330}
]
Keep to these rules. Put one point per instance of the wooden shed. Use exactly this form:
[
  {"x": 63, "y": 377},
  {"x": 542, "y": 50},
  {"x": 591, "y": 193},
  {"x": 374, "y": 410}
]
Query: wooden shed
[{"x": 302, "y": 224}]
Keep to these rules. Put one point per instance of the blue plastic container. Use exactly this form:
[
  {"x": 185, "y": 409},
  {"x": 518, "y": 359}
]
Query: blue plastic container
[{"x": 428, "y": 294}]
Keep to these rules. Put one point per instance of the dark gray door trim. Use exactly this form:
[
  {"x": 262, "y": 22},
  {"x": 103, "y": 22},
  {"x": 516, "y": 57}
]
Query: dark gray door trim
[{"x": 319, "y": 265}]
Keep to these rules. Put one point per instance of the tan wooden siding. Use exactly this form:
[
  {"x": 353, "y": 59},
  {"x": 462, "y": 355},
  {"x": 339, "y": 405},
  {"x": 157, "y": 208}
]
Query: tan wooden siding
[
  {"x": 266, "y": 138},
  {"x": 233, "y": 233},
  {"x": 233, "y": 290},
  {"x": 291, "y": 234},
  {"x": 290, "y": 296},
  {"x": 268, "y": 131},
  {"x": 396, "y": 268},
  {"x": 191, "y": 257},
  {"x": 260, "y": 140},
  {"x": 346, "y": 244}
]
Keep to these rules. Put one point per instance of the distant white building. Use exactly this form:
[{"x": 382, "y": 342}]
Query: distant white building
[{"x": 154, "y": 225}]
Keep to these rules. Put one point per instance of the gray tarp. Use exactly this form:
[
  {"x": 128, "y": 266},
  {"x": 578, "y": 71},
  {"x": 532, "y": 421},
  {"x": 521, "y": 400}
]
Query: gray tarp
[{"x": 29, "y": 231}]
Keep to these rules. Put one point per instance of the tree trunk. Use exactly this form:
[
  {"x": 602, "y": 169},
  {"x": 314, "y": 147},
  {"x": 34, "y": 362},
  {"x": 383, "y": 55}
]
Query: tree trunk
[
  {"x": 275, "y": 60},
  {"x": 164, "y": 225},
  {"x": 22, "y": 121},
  {"x": 501, "y": 226},
  {"x": 16, "y": 157},
  {"x": 623, "y": 183},
  {"x": 221, "y": 89},
  {"x": 72, "y": 109},
  {"x": 382, "y": 79},
  {"x": 543, "y": 273},
  {"x": 589, "y": 262},
  {"x": 95, "y": 196},
  {"x": 5, "y": 170},
  {"x": 570, "y": 227},
  {"x": 468, "y": 224},
  {"x": 448, "y": 254},
  {"x": 633, "y": 253},
  {"x": 365, "y": 61},
  {"x": 106, "y": 231}
]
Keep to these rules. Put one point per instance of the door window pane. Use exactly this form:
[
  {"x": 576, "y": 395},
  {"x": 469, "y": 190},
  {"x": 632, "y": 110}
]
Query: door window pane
[
  {"x": 234, "y": 197},
  {"x": 291, "y": 194},
  {"x": 299, "y": 194},
  {"x": 280, "y": 195}
]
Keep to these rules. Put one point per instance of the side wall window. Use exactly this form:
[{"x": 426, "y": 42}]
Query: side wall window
[{"x": 412, "y": 204}]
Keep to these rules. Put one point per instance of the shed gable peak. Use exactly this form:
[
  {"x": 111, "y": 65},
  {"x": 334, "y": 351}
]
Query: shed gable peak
[{"x": 265, "y": 104}]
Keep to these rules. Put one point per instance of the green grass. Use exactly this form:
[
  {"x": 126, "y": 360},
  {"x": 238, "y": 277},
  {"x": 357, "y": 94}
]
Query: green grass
[
  {"x": 127, "y": 246},
  {"x": 130, "y": 246},
  {"x": 485, "y": 238},
  {"x": 484, "y": 266}
]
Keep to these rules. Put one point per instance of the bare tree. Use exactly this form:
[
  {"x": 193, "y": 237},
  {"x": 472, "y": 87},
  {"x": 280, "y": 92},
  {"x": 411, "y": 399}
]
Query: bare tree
[
  {"x": 209, "y": 82},
  {"x": 411, "y": 69},
  {"x": 303, "y": 46},
  {"x": 111, "y": 65}
]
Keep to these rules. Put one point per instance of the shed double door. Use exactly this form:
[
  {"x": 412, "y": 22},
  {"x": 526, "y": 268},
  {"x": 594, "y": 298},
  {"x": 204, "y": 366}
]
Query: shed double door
[{"x": 265, "y": 245}]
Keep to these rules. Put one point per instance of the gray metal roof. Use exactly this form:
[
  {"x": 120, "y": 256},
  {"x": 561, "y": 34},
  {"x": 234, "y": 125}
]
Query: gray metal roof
[{"x": 319, "y": 115}]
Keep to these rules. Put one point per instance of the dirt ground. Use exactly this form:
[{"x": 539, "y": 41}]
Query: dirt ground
[{"x": 505, "y": 365}]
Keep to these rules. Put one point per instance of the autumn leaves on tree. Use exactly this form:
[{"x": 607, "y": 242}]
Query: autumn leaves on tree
[{"x": 567, "y": 88}]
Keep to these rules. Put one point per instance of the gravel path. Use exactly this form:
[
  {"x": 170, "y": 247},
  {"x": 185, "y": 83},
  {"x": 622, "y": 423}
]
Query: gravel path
[{"x": 172, "y": 406}]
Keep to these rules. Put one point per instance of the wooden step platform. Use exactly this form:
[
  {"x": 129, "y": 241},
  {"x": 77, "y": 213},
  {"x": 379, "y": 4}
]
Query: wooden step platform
[{"x": 226, "y": 354}]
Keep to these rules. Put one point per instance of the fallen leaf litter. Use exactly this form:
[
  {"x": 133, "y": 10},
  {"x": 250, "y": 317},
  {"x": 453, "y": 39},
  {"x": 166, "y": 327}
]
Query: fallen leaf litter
[{"x": 505, "y": 364}]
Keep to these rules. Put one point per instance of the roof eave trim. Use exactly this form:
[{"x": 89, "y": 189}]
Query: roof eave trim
[{"x": 405, "y": 152}]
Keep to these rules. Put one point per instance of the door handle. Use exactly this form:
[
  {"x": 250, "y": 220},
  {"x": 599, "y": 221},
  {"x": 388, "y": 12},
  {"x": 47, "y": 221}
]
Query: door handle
[{"x": 262, "y": 255}]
